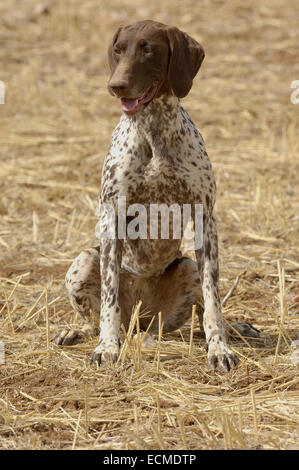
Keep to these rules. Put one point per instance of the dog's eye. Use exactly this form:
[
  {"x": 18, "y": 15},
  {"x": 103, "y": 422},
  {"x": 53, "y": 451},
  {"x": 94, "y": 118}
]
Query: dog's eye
[
  {"x": 145, "y": 47},
  {"x": 117, "y": 49}
]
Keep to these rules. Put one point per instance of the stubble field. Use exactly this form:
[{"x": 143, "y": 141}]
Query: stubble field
[{"x": 55, "y": 129}]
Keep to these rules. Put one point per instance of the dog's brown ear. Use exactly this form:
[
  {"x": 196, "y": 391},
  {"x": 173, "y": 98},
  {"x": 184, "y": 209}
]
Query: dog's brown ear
[
  {"x": 186, "y": 56},
  {"x": 111, "y": 60}
]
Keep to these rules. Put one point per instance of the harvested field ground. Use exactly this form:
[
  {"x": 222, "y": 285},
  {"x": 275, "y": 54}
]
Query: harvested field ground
[{"x": 55, "y": 131}]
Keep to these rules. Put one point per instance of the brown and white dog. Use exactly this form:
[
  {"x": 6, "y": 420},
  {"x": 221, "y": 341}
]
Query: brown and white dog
[{"x": 157, "y": 156}]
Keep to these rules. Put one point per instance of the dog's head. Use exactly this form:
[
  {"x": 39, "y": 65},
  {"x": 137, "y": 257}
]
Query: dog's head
[{"x": 148, "y": 59}]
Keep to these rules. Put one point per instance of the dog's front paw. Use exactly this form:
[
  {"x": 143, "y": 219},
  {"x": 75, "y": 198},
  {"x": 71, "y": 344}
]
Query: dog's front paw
[
  {"x": 107, "y": 351},
  {"x": 221, "y": 357}
]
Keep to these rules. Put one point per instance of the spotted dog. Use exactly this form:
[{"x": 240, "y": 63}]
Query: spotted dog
[{"x": 156, "y": 156}]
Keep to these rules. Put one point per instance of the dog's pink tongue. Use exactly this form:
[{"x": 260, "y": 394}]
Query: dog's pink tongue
[{"x": 128, "y": 104}]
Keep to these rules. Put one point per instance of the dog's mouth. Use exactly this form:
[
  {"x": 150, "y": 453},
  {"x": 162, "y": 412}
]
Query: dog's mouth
[{"x": 134, "y": 105}]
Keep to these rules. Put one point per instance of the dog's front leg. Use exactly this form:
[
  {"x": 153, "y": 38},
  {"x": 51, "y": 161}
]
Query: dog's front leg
[
  {"x": 110, "y": 319},
  {"x": 220, "y": 355}
]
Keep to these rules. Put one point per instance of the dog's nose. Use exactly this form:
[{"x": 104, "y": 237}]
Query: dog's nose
[{"x": 118, "y": 87}]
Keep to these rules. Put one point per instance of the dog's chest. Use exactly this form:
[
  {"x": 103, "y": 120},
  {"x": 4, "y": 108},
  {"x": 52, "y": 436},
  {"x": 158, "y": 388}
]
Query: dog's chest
[
  {"x": 157, "y": 180},
  {"x": 158, "y": 167}
]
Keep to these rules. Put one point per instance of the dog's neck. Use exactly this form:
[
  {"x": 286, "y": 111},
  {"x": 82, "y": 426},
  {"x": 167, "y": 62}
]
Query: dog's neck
[
  {"x": 159, "y": 122},
  {"x": 158, "y": 116}
]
